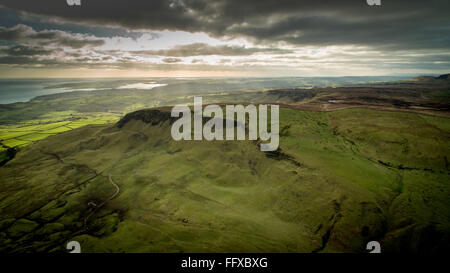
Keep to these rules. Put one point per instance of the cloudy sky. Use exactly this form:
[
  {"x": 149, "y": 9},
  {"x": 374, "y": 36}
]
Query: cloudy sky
[{"x": 196, "y": 38}]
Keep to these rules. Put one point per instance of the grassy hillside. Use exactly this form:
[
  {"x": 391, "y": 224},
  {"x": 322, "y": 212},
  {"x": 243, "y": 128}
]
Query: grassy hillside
[{"x": 339, "y": 180}]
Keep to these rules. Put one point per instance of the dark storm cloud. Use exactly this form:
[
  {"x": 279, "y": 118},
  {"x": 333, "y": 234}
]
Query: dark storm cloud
[
  {"x": 26, "y": 34},
  {"x": 202, "y": 49},
  {"x": 396, "y": 24}
]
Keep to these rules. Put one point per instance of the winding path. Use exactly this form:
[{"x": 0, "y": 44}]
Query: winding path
[{"x": 104, "y": 202}]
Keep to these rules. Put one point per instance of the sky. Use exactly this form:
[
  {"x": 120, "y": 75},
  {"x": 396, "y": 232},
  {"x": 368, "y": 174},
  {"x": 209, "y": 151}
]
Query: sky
[{"x": 234, "y": 38}]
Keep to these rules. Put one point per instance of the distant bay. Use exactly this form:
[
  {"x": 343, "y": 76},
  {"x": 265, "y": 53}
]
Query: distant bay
[{"x": 24, "y": 90}]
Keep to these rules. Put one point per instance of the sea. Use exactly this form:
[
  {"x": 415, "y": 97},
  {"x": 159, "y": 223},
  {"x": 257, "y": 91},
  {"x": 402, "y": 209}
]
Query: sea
[{"x": 24, "y": 90}]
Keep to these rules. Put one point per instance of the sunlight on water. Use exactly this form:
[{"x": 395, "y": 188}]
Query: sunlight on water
[{"x": 141, "y": 85}]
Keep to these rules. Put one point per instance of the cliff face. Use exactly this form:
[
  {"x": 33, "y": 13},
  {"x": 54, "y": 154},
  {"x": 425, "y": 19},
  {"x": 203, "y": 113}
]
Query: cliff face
[
  {"x": 152, "y": 116},
  {"x": 431, "y": 78},
  {"x": 156, "y": 117},
  {"x": 444, "y": 77}
]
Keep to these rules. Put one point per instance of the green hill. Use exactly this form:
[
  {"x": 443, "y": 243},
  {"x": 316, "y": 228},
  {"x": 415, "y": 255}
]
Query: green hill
[{"x": 340, "y": 179}]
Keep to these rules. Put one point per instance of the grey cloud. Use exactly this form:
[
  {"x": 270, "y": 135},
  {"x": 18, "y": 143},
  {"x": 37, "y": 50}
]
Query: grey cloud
[
  {"x": 27, "y": 61},
  {"x": 255, "y": 64},
  {"x": 394, "y": 25},
  {"x": 76, "y": 43},
  {"x": 27, "y": 35},
  {"x": 21, "y": 50},
  {"x": 171, "y": 60},
  {"x": 202, "y": 49}
]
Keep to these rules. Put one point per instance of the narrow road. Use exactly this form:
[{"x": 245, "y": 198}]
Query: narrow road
[{"x": 104, "y": 202}]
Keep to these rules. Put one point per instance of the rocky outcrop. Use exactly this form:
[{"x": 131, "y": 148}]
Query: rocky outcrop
[
  {"x": 152, "y": 116},
  {"x": 443, "y": 77}
]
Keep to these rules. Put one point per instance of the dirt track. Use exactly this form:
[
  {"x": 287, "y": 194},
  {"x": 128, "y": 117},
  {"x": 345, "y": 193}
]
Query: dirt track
[{"x": 104, "y": 202}]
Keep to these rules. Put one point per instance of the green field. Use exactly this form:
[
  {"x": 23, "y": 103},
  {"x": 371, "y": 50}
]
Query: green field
[
  {"x": 24, "y": 133},
  {"x": 339, "y": 180}
]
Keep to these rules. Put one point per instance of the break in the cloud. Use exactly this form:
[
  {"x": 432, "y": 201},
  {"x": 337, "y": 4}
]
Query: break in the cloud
[{"x": 252, "y": 37}]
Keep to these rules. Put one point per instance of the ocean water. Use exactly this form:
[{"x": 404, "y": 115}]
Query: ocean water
[{"x": 23, "y": 90}]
